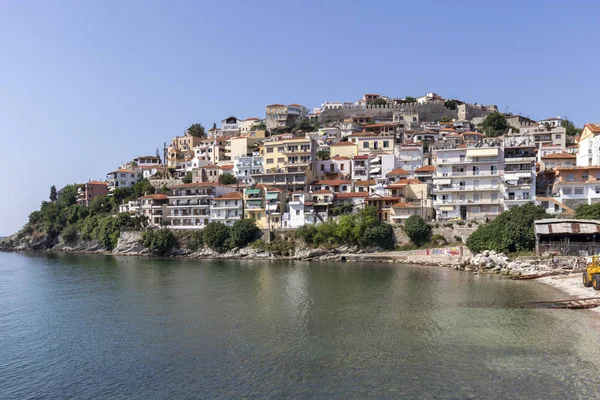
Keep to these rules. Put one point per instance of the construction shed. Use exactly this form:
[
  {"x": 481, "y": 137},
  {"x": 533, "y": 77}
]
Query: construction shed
[{"x": 576, "y": 237}]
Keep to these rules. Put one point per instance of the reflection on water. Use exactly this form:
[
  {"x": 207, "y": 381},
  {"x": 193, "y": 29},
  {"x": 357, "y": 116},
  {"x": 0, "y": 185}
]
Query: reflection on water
[{"x": 75, "y": 326}]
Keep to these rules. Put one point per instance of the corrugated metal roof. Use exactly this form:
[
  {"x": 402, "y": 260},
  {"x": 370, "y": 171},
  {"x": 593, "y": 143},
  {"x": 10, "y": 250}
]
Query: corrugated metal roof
[{"x": 566, "y": 226}]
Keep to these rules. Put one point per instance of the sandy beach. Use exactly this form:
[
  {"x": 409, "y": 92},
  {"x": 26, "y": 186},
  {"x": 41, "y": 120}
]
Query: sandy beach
[{"x": 572, "y": 286}]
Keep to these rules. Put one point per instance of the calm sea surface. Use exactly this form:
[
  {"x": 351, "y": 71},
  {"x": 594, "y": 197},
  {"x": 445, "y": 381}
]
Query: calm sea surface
[{"x": 102, "y": 327}]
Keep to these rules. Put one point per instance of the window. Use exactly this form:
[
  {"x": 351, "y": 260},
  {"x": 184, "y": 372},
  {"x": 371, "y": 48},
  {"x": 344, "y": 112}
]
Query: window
[
  {"x": 579, "y": 190},
  {"x": 475, "y": 210},
  {"x": 341, "y": 167},
  {"x": 570, "y": 177},
  {"x": 344, "y": 188},
  {"x": 494, "y": 210},
  {"x": 386, "y": 143},
  {"x": 585, "y": 177},
  {"x": 476, "y": 197},
  {"x": 280, "y": 149},
  {"x": 280, "y": 160},
  {"x": 494, "y": 196},
  {"x": 322, "y": 167},
  {"x": 269, "y": 149},
  {"x": 269, "y": 161},
  {"x": 365, "y": 145},
  {"x": 566, "y": 190},
  {"x": 297, "y": 212},
  {"x": 597, "y": 189},
  {"x": 557, "y": 136}
]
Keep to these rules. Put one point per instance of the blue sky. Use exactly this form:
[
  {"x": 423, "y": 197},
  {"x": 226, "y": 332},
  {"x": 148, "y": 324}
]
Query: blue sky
[{"x": 86, "y": 85}]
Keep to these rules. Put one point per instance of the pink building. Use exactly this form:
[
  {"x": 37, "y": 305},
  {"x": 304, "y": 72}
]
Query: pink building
[{"x": 86, "y": 192}]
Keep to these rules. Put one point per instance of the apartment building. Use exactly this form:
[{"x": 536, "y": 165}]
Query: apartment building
[
  {"x": 255, "y": 206},
  {"x": 334, "y": 168},
  {"x": 245, "y": 167},
  {"x": 275, "y": 207},
  {"x": 410, "y": 156},
  {"x": 588, "y": 153},
  {"x": 577, "y": 185},
  {"x": 369, "y": 143},
  {"x": 230, "y": 126},
  {"x": 288, "y": 164},
  {"x": 147, "y": 161},
  {"x": 343, "y": 149},
  {"x": 189, "y": 204},
  {"x": 322, "y": 201},
  {"x": 122, "y": 178},
  {"x": 153, "y": 207},
  {"x": 466, "y": 181},
  {"x": 86, "y": 192},
  {"x": 519, "y": 179},
  {"x": 301, "y": 210},
  {"x": 282, "y": 116},
  {"x": 247, "y": 125},
  {"x": 227, "y": 208},
  {"x": 334, "y": 185}
]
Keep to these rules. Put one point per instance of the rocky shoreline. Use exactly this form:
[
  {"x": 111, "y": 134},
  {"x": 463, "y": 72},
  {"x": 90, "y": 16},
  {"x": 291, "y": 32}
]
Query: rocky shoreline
[{"x": 485, "y": 262}]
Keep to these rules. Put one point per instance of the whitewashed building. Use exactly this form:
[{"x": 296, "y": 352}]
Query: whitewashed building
[{"x": 227, "y": 208}]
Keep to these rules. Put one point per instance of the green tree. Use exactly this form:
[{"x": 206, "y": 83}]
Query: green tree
[
  {"x": 158, "y": 241},
  {"x": 68, "y": 195},
  {"x": 494, "y": 124},
  {"x": 323, "y": 155},
  {"x": 70, "y": 234},
  {"x": 451, "y": 104},
  {"x": 570, "y": 128},
  {"x": 187, "y": 178},
  {"x": 53, "y": 194},
  {"x": 410, "y": 99},
  {"x": 305, "y": 125},
  {"x": 446, "y": 119},
  {"x": 380, "y": 101},
  {"x": 243, "y": 232},
  {"x": 216, "y": 236},
  {"x": 417, "y": 229},
  {"x": 195, "y": 241},
  {"x": 509, "y": 232},
  {"x": 196, "y": 130},
  {"x": 588, "y": 211},
  {"x": 259, "y": 127},
  {"x": 228, "y": 179}
]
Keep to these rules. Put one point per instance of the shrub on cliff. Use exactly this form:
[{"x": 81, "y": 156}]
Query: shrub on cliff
[
  {"x": 216, "y": 236},
  {"x": 158, "y": 241},
  {"x": 585, "y": 211},
  {"x": 70, "y": 234},
  {"x": 195, "y": 241},
  {"x": 417, "y": 229},
  {"x": 243, "y": 232},
  {"x": 510, "y": 231}
]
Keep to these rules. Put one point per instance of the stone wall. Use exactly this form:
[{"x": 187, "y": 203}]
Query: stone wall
[{"x": 426, "y": 112}]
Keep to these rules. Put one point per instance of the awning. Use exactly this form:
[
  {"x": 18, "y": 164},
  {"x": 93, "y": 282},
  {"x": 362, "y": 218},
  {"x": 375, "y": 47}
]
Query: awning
[
  {"x": 443, "y": 181},
  {"x": 252, "y": 191},
  {"x": 446, "y": 208},
  {"x": 254, "y": 202},
  {"x": 482, "y": 152},
  {"x": 376, "y": 160},
  {"x": 272, "y": 196},
  {"x": 375, "y": 171},
  {"x": 511, "y": 177},
  {"x": 523, "y": 174}
]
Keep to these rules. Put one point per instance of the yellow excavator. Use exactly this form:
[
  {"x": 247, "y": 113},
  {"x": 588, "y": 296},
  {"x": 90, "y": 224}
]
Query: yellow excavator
[{"x": 591, "y": 275}]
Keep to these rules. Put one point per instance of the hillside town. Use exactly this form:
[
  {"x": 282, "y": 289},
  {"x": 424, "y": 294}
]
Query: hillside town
[{"x": 441, "y": 159}]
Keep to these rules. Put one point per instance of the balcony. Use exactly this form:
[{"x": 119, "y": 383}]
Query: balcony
[
  {"x": 465, "y": 202},
  {"x": 468, "y": 173},
  {"x": 225, "y": 217},
  {"x": 189, "y": 204},
  {"x": 465, "y": 188},
  {"x": 512, "y": 160},
  {"x": 224, "y": 206}
]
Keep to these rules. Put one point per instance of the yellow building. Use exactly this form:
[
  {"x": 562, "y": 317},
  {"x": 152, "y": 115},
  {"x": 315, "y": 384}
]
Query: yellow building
[
  {"x": 343, "y": 149},
  {"x": 369, "y": 143},
  {"x": 255, "y": 206},
  {"x": 239, "y": 147}
]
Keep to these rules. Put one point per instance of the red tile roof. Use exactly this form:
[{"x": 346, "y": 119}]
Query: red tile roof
[
  {"x": 350, "y": 195},
  {"x": 251, "y": 119},
  {"x": 365, "y": 183},
  {"x": 425, "y": 168},
  {"x": 332, "y": 182},
  {"x": 156, "y": 196},
  {"x": 595, "y": 128},
  {"x": 344, "y": 144},
  {"x": 230, "y": 196},
  {"x": 383, "y": 198},
  {"x": 226, "y": 166},
  {"x": 124, "y": 171},
  {"x": 559, "y": 156},
  {"x": 322, "y": 192},
  {"x": 340, "y": 158},
  {"x": 95, "y": 183},
  {"x": 397, "y": 171}
]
